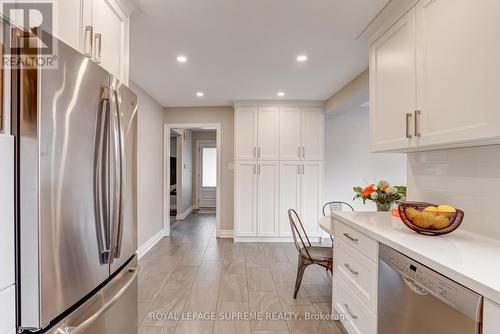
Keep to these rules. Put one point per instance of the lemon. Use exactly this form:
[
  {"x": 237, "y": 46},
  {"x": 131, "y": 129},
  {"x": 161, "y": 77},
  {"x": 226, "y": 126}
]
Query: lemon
[
  {"x": 431, "y": 209},
  {"x": 446, "y": 210},
  {"x": 440, "y": 222}
]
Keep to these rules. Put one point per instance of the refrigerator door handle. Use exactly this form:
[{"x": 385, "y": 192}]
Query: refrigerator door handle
[
  {"x": 82, "y": 327},
  {"x": 122, "y": 174},
  {"x": 101, "y": 177}
]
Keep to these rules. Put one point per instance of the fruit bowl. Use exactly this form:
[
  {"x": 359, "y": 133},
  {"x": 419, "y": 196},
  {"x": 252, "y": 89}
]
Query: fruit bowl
[{"x": 426, "y": 218}]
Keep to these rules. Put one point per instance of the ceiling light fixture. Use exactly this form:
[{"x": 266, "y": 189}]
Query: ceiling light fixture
[
  {"x": 181, "y": 59},
  {"x": 301, "y": 58},
  {"x": 200, "y": 94},
  {"x": 281, "y": 94}
]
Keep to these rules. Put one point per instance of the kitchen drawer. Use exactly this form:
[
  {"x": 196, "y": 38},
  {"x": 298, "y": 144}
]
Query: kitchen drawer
[
  {"x": 362, "y": 320},
  {"x": 359, "y": 273},
  {"x": 362, "y": 243},
  {"x": 7, "y": 309}
]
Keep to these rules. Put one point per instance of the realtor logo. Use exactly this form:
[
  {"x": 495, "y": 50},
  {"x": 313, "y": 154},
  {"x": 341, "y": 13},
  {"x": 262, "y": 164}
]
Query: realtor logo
[{"x": 28, "y": 41}]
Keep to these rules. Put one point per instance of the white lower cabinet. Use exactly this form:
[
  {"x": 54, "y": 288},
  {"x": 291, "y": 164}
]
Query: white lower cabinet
[
  {"x": 7, "y": 309},
  {"x": 491, "y": 317},
  {"x": 267, "y": 199},
  {"x": 6, "y": 211},
  {"x": 245, "y": 199},
  {"x": 290, "y": 195}
]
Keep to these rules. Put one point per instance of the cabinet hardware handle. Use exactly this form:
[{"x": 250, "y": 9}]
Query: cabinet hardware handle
[
  {"x": 258, "y": 169},
  {"x": 348, "y": 309},
  {"x": 354, "y": 272},
  {"x": 350, "y": 238},
  {"x": 298, "y": 169},
  {"x": 259, "y": 152},
  {"x": 303, "y": 152},
  {"x": 254, "y": 169},
  {"x": 409, "y": 115},
  {"x": 98, "y": 45},
  {"x": 87, "y": 41},
  {"x": 416, "y": 124},
  {"x": 255, "y": 152},
  {"x": 298, "y": 152}
]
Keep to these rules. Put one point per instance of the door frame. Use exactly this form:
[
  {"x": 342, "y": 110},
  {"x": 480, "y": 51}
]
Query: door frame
[
  {"x": 166, "y": 170},
  {"x": 198, "y": 170}
]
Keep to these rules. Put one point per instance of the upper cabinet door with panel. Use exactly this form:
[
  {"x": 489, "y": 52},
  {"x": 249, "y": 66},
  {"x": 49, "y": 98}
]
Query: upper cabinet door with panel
[
  {"x": 111, "y": 37},
  {"x": 69, "y": 22},
  {"x": 312, "y": 133},
  {"x": 268, "y": 134},
  {"x": 245, "y": 145},
  {"x": 458, "y": 77},
  {"x": 290, "y": 128},
  {"x": 393, "y": 86}
]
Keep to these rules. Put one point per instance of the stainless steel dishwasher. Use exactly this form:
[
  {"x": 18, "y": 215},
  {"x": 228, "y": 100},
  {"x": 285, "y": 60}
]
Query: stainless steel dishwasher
[{"x": 413, "y": 299}]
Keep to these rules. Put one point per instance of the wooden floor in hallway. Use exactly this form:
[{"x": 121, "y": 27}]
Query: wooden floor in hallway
[{"x": 192, "y": 282}]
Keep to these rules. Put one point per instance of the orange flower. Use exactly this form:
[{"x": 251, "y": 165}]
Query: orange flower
[{"x": 368, "y": 190}]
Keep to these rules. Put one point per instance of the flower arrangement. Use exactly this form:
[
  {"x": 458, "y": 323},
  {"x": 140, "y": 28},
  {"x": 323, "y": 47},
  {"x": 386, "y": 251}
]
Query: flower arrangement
[{"x": 383, "y": 194}]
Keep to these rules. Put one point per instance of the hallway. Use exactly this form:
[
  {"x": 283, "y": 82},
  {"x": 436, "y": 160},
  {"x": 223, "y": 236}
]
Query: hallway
[{"x": 192, "y": 282}]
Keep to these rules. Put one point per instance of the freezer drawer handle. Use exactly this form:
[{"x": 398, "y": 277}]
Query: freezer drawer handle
[{"x": 85, "y": 324}]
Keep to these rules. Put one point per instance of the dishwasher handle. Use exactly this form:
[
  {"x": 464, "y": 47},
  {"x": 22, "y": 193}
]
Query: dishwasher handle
[{"x": 413, "y": 286}]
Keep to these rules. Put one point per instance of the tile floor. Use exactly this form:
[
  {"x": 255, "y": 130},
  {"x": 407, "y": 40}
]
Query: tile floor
[{"x": 192, "y": 273}]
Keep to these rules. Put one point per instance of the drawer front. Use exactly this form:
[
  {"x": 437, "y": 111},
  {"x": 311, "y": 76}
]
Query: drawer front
[
  {"x": 361, "y": 320},
  {"x": 359, "y": 273},
  {"x": 7, "y": 309},
  {"x": 362, "y": 243}
]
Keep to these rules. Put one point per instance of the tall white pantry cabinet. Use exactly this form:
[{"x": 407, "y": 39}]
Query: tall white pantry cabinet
[{"x": 278, "y": 166}]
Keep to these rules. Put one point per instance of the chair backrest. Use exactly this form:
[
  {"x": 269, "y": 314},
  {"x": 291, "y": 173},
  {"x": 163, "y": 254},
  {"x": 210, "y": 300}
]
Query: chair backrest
[
  {"x": 337, "y": 202},
  {"x": 299, "y": 234}
]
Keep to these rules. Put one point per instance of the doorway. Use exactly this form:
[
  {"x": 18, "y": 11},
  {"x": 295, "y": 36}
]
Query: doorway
[{"x": 197, "y": 172}]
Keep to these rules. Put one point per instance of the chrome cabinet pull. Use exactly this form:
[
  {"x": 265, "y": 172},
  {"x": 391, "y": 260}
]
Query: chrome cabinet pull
[
  {"x": 87, "y": 41},
  {"x": 259, "y": 152},
  {"x": 350, "y": 238},
  {"x": 354, "y": 272},
  {"x": 298, "y": 152},
  {"x": 98, "y": 47},
  {"x": 298, "y": 169},
  {"x": 255, "y": 152},
  {"x": 416, "y": 123},
  {"x": 258, "y": 169},
  {"x": 303, "y": 152},
  {"x": 254, "y": 169},
  {"x": 347, "y": 308},
  {"x": 409, "y": 115}
]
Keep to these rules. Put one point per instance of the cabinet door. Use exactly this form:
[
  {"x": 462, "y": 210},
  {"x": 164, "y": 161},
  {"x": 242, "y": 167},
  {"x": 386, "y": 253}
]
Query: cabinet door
[
  {"x": 311, "y": 196},
  {"x": 268, "y": 134},
  {"x": 458, "y": 72},
  {"x": 268, "y": 198},
  {"x": 69, "y": 22},
  {"x": 245, "y": 198},
  {"x": 312, "y": 133},
  {"x": 112, "y": 23},
  {"x": 245, "y": 144},
  {"x": 290, "y": 141},
  {"x": 289, "y": 195},
  {"x": 393, "y": 85},
  {"x": 6, "y": 211}
]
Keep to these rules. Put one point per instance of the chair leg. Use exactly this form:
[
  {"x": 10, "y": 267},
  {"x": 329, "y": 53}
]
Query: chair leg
[{"x": 300, "y": 273}]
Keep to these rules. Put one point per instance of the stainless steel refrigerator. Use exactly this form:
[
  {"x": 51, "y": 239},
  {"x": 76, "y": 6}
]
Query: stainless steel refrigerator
[{"x": 75, "y": 131}]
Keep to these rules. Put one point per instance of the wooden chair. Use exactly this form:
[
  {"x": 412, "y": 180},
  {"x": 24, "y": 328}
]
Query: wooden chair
[{"x": 308, "y": 254}]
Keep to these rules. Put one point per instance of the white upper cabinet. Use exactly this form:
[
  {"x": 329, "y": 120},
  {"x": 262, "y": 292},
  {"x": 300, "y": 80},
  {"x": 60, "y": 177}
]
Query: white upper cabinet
[
  {"x": 245, "y": 198},
  {"x": 312, "y": 133},
  {"x": 268, "y": 198},
  {"x": 290, "y": 138},
  {"x": 393, "y": 86},
  {"x": 245, "y": 147},
  {"x": 69, "y": 21},
  {"x": 268, "y": 134},
  {"x": 458, "y": 53},
  {"x": 434, "y": 77}
]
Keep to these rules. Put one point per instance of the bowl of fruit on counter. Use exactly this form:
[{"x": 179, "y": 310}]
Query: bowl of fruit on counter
[{"x": 430, "y": 219}]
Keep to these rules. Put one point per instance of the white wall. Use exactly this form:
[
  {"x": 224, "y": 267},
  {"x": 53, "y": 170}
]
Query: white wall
[
  {"x": 467, "y": 178},
  {"x": 349, "y": 163},
  {"x": 149, "y": 166}
]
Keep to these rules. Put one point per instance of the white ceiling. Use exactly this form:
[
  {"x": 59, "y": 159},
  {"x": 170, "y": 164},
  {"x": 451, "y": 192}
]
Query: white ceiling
[{"x": 246, "y": 49}]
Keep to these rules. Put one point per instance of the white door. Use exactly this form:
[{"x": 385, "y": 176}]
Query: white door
[
  {"x": 245, "y": 147},
  {"x": 290, "y": 194},
  {"x": 245, "y": 199},
  {"x": 268, "y": 134},
  {"x": 206, "y": 174},
  {"x": 393, "y": 86},
  {"x": 311, "y": 196},
  {"x": 312, "y": 133},
  {"x": 111, "y": 23},
  {"x": 290, "y": 128},
  {"x": 458, "y": 59},
  {"x": 268, "y": 198}
]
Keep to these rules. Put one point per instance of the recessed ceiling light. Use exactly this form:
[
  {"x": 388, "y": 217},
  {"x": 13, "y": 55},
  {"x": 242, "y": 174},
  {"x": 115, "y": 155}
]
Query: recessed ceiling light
[
  {"x": 200, "y": 94},
  {"x": 281, "y": 94},
  {"x": 301, "y": 58},
  {"x": 181, "y": 59}
]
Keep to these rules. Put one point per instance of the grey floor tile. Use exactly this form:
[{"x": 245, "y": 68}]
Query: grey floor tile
[
  {"x": 256, "y": 261},
  {"x": 143, "y": 308},
  {"x": 150, "y": 284},
  {"x": 266, "y": 303},
  {"x": 181, "y": 279},
  {"x": 195, "y": 327},
  {"x": 285, "y": 292},
  {"x": 282, "y": 272},
  {"x": 166, "y": 309},
  {"x": 210, "y": 271},
  {"x": 156, "y": 330},
  {"x": 234, "y": 265},
  {"x": 233, "y": 288},
  {"x": 260, "y": 279},
  {"x": 202, "y": 297}
]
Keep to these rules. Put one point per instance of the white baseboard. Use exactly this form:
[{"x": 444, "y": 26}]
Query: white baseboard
[
  {"x": 226, "y": 233},
  {"x": 181, "y": 216},
  {"x": 271, "y": 239},
  {"x": 146, "y": 247}
]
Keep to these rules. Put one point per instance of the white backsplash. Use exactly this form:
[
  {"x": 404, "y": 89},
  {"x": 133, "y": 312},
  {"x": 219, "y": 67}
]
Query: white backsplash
[{"x": 467, "y": 178}]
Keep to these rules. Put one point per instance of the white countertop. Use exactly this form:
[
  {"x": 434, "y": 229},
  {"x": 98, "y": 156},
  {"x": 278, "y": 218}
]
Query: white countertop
[{"x": 469, "y": 259}]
